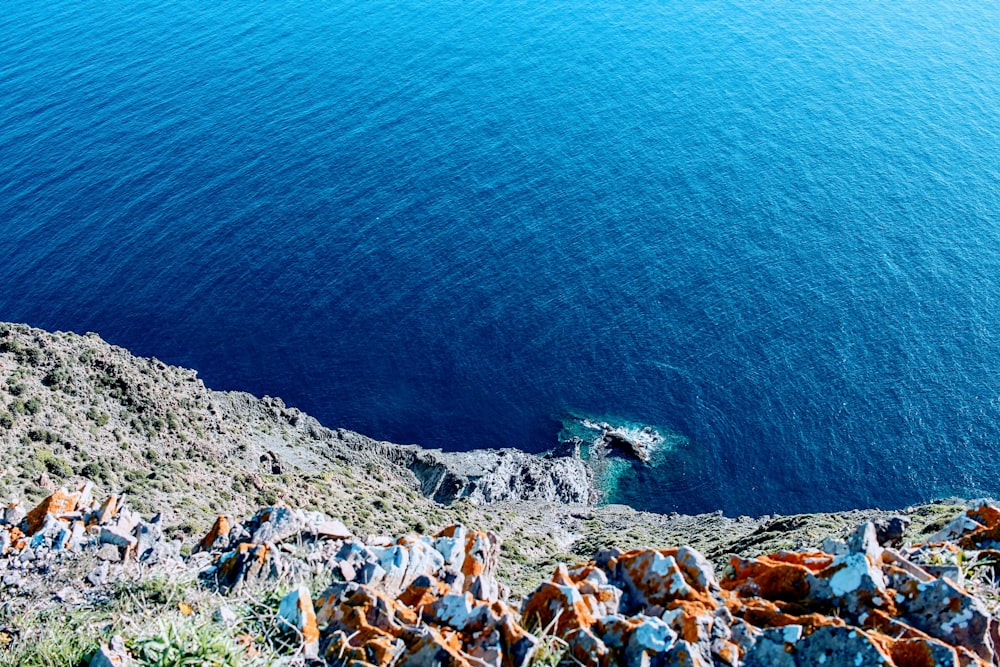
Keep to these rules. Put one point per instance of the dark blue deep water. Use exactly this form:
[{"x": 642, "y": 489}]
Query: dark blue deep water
[{"x": 772, "y": 228}]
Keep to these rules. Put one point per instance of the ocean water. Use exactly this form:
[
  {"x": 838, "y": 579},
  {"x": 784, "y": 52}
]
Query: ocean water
[{"x": 771, "y": 230}]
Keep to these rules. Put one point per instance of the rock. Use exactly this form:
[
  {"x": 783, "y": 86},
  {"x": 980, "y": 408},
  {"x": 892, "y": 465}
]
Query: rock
[
  {"x": 274, "y": 524},
  {"x": 99, "y": 575},
  {"x": 852, "y": 582},
  {"x": 218, "y": 532},
  {"x": 68, "y": 595},
  {"x": 296, "y": 610},
  {"x": 653, "y": 578},
  {"x": 428, "y": 648},
  {"x": 60, "y": 502},
  {"x": 833, "y": 546},
  {"x": 864, "y": 540},
  {"x": 697, "y": 570},
  {"x": 247, "y": 562},
  {"x": 561, "y": 604},
  {"x": 955, "y": 529},
  {"x": 494, "y": 476},
  {"x": 106, "y": 512},
  {"x": 621, "y": 441},
  {"x": 224, "y": 615},
  {"x": 148, "y": 538},
  {"x": 948, "y": 613},
  {"x": 685, "y": 654},
  {"x": 774, "y": 647},
  {"x": 110, "y": 553},
  {"x": 106, "y": 657},
  {"x": 14, "y": 513},
  {"x": 890, "y": 530},
  {"x": 116, "y": 536},
  {"x": 330, "y": 529},
  {"x": 831, "y": 645},
  {"x": 651, "y": 636},
  {"x": 920, "y": 651},
  {"x": 586, "y": 648}
]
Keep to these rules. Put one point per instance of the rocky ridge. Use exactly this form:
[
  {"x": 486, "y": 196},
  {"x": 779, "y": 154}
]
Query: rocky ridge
[{"x": 417, "y": 599}]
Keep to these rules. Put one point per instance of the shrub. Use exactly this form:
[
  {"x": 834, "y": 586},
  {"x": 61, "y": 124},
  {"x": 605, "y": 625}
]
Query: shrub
[
  {"x": 31, "y": 356},
  {"x": 98, "y": 417},
  {"x": 45, "y": 458},
  {"x": 92, "y": 471},
  {"x": 6, "y": 420},
  {"x": 57, "y": 377},
  {"x": 14, "y": 347}
]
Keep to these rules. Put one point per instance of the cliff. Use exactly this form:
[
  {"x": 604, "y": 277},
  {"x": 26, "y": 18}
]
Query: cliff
[{"x": 75, "y": 410}]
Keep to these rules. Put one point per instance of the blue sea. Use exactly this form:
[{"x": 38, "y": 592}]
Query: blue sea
[{"x": 768, "y": 230}]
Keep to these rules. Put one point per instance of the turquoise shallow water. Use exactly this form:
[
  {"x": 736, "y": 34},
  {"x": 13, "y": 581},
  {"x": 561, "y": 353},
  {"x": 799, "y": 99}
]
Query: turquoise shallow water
[{"x": 768, "y": 228}]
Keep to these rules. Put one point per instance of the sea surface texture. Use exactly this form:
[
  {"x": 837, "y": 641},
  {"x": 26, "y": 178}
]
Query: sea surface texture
[{"x": 770, "y": 230}]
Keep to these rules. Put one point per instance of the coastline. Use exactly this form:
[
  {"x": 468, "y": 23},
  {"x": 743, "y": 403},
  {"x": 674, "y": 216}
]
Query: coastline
[{"x": 90, "y": 416}]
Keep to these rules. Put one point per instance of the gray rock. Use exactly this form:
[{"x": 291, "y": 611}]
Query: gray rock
[
  {"x": 148, "y": 535},
  {"x": 275, "y": 524},
  {"x": 109, "y": 656},
  {"x": 890, "y": 530},
  {"x": 650, "y": 637},
  {"x": 833, "y": 546},
  {"x": 493, "y": 476},
  {"x": 68, "y": 594},
  {"x": 99, "y": 575},
  {"x": 948, "y": 613},
  {"x": 685, "y": 654},
  {"x": 839, "y": 647},
  {"x": 585, "y": 647},
  {"x": 770, "y": 648},
  {"x": 13, "y": 514},
  {"x": 955, "y": 529},
  {"x": 117, "y": 536},
  {"x": 224, "y": 615},
  {"x": 864, "y": 540},
  {"x": 109, "y": 553},
  {"x": 697, "y": 568}
]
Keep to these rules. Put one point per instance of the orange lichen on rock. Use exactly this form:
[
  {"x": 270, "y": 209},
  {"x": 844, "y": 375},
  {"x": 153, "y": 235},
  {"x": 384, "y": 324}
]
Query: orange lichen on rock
[
  {"x": 422, "y": 592},
  {"x": 922, "y": 652},
  {"x": 766, "y": 614},
  {"x": 768, "y": 578},
  {"x": 690, "y": 619},
  {"x": 107, "y": 510},
  {"x": 56, "y": 504},
  {"x": 812, "y": 560},
  {"x": 219, "y": 529},
  {"x": 559, "y": 603}
]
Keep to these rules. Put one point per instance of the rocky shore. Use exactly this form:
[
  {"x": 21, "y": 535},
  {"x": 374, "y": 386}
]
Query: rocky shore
[{"x": 124, "y": 480}]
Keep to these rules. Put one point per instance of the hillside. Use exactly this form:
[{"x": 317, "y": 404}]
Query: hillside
[{"x": 75, "y": 410}]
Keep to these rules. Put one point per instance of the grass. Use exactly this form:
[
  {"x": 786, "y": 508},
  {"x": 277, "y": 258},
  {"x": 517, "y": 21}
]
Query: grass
[
  {"x": 190, "y": 643},
  {"x": 551, "y": 648},
  {"x": 166, "y": 621}
]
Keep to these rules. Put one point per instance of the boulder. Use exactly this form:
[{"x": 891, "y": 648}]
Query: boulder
[{"x": 296, "y": 611}]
